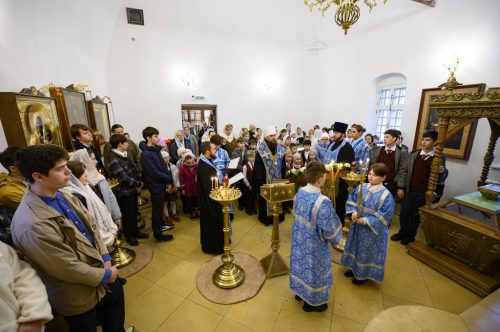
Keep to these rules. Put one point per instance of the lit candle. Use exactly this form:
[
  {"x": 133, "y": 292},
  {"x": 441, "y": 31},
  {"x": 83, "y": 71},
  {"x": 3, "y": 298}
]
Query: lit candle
[{"x": 367, "y": 162}]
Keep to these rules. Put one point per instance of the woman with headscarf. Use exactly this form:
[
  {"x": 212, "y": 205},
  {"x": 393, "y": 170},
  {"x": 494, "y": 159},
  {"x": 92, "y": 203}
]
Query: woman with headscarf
[
  {"x": 208, "y": 133},
  {"x": 79, "y": 186},
  {"x": 99, "y": 182}
]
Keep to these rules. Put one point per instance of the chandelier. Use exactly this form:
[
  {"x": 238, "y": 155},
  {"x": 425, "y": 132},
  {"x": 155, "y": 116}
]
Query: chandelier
[{"x": 347, "y": 10}]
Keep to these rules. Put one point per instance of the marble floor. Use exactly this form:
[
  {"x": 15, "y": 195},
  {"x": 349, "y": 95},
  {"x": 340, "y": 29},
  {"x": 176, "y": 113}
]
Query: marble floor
[{"x": 163, "y": 296}]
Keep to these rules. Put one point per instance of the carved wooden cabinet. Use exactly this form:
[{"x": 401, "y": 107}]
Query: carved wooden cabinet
[
  {"x": 466, "y": 228},
  {"x": 463, "y": 234}
]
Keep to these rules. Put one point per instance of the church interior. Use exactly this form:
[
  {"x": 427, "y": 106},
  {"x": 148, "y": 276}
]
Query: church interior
[{"x": 169, "y": 63}]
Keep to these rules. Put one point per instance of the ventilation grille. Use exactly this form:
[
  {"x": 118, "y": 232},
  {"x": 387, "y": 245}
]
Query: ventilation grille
[{"x": 135, "y": 16}]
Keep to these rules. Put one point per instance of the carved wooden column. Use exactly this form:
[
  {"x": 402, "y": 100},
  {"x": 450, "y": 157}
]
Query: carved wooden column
[
  {"x": 488, "y": 157},
  {"x": 431, "y": 186}
]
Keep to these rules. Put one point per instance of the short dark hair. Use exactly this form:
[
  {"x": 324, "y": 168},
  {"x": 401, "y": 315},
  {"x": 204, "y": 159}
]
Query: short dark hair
[
  {"x": 7, "y": 157},
  {"x": 252, "y": 141},
  {"x": 76, "y": 167},
  {"x": 75, "y": 129},
  {"x": 379, "y": 169},
  {"x": 307, "y": 142},
  {"x": 116, "y": 126},
  {"x": 240, "y": 140},
  {"x": 393, "y": 132},
  {"x": 292, "y": 145},
  {"x": 432, "y": 134},
  {"x": 204, "y": 147},
  {"x": 314, "y": 171},
  {"x": 116, "y": 139},
  {"x": 216, "y": 139},
  {"x": 40, "y": 158},
  {"x": 149, "y": 132}
]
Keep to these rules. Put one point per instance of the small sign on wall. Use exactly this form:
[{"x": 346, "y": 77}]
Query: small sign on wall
[{"x": 197, "y": 98}]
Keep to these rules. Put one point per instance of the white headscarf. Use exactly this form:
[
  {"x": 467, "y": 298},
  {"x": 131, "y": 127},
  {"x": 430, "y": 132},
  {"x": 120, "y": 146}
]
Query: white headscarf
[
  {"x": 316, "y": 137},
  {"x": 82, "y": 155},
  {"x": 96, "y": 207},
  {"x": 206, "y": 135}
]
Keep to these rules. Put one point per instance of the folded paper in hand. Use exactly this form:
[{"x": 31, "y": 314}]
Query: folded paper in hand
[{"x": 233, "y": 164}]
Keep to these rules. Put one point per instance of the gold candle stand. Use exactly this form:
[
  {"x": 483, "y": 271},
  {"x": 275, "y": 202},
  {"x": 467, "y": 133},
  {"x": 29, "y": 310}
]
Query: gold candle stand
[
  {"x": 274, "y": 265},
  {"x": 351, "y": 179},
  {"x": 121, "y": 256},
  {"x": 228, "y": 275}
]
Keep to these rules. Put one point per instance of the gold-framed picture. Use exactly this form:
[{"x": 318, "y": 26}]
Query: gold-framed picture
[
  {"x": 39, "y": 120},
  {"x": 29, "y": 119},
  {"x": 101, "y": 117},
  {"x": 460, "y": 144}
]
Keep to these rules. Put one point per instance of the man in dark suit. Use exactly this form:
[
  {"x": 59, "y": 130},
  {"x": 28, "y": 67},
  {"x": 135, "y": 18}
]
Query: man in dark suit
[{"x": 393, "y": 157}]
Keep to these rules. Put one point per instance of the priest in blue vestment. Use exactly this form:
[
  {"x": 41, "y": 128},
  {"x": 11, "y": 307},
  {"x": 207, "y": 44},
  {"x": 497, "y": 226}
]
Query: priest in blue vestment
[
  {"x": 366, "y": 246},
  {"x": 316, "y": 225}
]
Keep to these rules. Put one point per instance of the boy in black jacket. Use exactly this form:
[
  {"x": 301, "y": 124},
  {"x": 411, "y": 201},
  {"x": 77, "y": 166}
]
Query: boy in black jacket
[
  {"x": 124, "y": 170},
  {"x": 156, "y": 176}
]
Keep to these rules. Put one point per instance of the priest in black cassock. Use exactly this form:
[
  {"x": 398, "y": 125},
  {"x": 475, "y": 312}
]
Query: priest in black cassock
[
  {"x": 267, "y": 168},
  {"x": 211, "y": 220},
  {"x": 340, "y": 151}
]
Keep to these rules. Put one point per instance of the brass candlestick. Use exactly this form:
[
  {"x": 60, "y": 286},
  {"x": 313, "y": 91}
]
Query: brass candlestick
[
  {"x": 351, "y": 179},
  {"x": 228, "y": 275},
  {"x": 121, "y": 256},
  {"x": 276, "y": 193},
  {"x": 335, "y": 170}
]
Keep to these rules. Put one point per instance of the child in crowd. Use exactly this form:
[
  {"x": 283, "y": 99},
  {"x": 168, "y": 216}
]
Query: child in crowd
[
  {"x": 239, "y": 152},
  {"x": 293, "y": 148},
  {"x": 287, "y": 163},
  {"x": 156, "y": 177},
  {"x": 297, "y": 161},
  {"x": 412, "y": 185},
  {"x": 286, "y": 142},
  {"x": 252, "y": 144},
  {"x": 307, "y": 148},
  {"x": 322, "y": 146},
  {"x": 171, "y": 195},
  {"x": 366, "y": 246},
  {"x": 188, "y": 182},
  {"x": 313, "y": 156},
  {"x": 249, "y": 193},
  {"x": 316, "y": 225}
]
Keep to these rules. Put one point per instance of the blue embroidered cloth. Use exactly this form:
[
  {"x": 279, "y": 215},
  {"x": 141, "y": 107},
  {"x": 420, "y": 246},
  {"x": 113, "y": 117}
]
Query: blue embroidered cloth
[
  {"x": 315, "y": 226},
  {"x": 221, "y": 161},
  {"x": 362, "y": 151},
  {"x": 366, "y": 246}
]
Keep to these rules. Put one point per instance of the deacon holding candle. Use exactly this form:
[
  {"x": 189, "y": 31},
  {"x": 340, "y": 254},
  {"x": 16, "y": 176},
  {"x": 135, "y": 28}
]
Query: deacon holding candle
[
  {"x": 211, "y": 218},
  {"x": 371, "y": 207}
]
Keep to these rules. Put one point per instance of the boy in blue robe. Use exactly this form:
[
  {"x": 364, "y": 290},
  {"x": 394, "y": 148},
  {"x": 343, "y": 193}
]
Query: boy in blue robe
[
  {"x": 366, "y": 246},
  {"x": 316, "y": 224}
]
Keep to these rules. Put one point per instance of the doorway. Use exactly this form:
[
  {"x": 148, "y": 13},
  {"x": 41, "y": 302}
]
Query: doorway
[{"x": 196, "y": 114}]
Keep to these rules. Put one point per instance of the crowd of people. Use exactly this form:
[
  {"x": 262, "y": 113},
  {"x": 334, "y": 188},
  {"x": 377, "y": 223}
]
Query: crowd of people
[{"x": 65, "y": 210}]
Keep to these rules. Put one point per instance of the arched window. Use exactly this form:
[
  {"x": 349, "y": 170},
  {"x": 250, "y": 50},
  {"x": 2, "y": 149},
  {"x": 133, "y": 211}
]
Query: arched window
[{"x": 391, "y": 93}]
